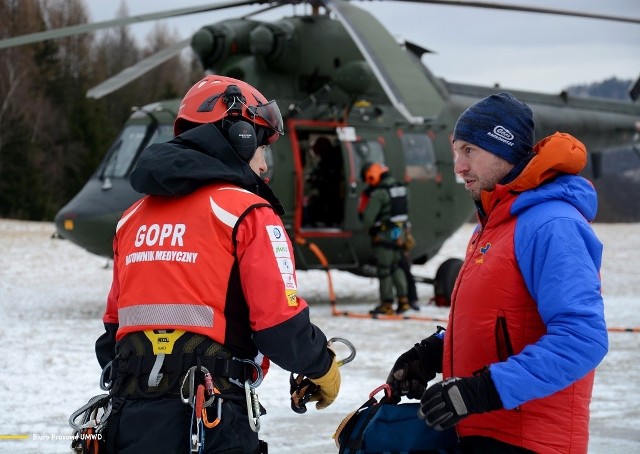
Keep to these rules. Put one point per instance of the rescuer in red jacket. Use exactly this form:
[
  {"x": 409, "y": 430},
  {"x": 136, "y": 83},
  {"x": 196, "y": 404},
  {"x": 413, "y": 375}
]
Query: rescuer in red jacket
[{"x": 204, "y": 289}]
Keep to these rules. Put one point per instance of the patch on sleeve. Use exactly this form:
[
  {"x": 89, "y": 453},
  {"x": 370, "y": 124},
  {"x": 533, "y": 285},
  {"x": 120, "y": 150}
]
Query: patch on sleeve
[
  {"x": 280, "y": 249},
  {"x": 285, "y": 264},
  {"x": 276, "y": 233},
  {"x": 292, "y": 297},
  {"x": 289, "y": 281},
  {"x": 281, "y": 252}
]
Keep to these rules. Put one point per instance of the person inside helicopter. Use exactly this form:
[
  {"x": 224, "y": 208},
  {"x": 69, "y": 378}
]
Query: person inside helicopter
[{"x": 324, "y": 183}]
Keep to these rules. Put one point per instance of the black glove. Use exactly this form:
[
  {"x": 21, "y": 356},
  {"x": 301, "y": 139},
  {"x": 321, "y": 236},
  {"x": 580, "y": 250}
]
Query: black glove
[
  {"x": 413, "y": 369},
  {"x": 444, "y": 404}
]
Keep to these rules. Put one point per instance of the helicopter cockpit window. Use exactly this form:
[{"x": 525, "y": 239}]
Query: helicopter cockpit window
[
  {"x": 163, "y": 133},
  {"x": 367, "y": 151},
  {"x": 124, "y": 150},
  {"x": 419, "y": 156},
  {"x": 126, "y": 147}
]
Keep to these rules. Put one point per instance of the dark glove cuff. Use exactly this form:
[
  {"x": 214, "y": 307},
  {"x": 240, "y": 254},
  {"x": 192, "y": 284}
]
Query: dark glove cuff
[
  {"x": 484, "y": 392},
  {"x": 431, "y": 350}
]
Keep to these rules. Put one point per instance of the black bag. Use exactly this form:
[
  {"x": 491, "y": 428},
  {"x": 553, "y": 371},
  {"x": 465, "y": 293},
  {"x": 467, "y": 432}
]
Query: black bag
[{"x": 385, "y": 427}]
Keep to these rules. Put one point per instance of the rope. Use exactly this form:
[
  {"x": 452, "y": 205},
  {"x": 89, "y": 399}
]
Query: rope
[{"x": 338, "y": 313}]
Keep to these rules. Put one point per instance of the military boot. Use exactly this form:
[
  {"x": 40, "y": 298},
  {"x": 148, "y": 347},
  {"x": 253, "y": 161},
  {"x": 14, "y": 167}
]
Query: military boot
[
  {"x": 403, "y": 305},
  {"x": 385, "y": 308}
]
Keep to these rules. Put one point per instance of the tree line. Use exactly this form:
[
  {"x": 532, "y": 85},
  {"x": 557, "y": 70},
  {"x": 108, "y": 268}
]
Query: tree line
[{"x": 51, "y": 136}]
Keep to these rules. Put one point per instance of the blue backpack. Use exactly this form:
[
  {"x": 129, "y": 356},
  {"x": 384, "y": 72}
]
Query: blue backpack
[{"x": 383, "y": 427}]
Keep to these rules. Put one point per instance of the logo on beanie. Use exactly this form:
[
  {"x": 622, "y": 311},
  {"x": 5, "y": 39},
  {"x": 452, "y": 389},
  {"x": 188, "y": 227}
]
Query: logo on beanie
[{"x": 502, "y": 134}]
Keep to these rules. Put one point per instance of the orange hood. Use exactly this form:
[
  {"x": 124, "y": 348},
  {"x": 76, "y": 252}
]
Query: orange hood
[{"x": 559, "y": 153}]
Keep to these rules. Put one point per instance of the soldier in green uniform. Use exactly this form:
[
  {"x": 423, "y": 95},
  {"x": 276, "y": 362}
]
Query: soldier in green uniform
[{"x": 384, "y": 212}]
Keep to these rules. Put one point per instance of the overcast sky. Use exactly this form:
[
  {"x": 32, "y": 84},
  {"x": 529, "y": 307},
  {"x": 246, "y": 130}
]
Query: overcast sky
[{"x": 527, "y": 51}]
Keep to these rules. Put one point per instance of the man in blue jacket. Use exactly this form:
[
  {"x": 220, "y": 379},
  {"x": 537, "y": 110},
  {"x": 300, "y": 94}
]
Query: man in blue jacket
[{"x": 526, "y": 327}]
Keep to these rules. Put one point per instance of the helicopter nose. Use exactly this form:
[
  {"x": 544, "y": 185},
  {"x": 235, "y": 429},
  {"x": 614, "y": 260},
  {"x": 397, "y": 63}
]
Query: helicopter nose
[{"x": 90, "y": 218}]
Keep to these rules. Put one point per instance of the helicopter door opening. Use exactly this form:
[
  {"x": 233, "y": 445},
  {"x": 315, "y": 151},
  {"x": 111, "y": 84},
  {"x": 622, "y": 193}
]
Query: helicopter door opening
[{"x": 323, "y": 183}]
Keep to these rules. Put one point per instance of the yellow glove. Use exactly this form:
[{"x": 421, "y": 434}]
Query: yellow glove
[{"x": 328, "y": 386}]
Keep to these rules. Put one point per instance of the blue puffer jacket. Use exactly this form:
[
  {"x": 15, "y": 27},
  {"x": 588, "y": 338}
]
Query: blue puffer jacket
[{"x": 527, "y": 304}]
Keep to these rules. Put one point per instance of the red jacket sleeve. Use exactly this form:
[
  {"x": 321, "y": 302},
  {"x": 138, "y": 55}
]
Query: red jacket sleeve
[
  {"x": 267, "y": 269},
  {"x": 111, "y": 311},
  {"x": 278, "y": 316}
]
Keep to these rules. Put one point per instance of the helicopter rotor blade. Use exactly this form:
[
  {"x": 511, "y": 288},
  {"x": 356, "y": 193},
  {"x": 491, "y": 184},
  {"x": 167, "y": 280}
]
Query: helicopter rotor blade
[
  {"x": 133, "y": 72},
  {"x": 86, "y": 28},
  {"x": 401, "y": 78},
  {"x": 528, "y": 9}
]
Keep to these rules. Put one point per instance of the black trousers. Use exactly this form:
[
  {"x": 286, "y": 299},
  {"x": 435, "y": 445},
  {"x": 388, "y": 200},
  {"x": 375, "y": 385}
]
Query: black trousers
[
  {"x": 486, "y": 445},
  {"x": 164, "y": 425},
  {"x": 412, "y": 293}
]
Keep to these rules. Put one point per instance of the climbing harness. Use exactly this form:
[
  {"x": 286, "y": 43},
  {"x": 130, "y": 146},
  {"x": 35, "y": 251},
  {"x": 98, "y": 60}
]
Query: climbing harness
[
  {"x": 302, "y": 388},
  {"x": 157, "y": 363}
]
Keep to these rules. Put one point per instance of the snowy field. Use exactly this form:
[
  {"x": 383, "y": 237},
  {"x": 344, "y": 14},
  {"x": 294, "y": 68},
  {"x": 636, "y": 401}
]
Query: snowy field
[{"x": 52, "y": 295}]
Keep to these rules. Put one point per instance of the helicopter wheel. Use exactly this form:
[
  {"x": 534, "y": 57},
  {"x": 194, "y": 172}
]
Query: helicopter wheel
[{"x": 445, "y": 280}]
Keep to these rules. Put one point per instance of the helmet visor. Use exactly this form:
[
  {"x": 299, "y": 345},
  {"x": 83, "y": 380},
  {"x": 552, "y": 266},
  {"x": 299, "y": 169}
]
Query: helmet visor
[{"x": 270, "y": 114}]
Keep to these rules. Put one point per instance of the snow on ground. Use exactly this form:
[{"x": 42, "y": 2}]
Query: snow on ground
[{"x": 52, "y": 295}]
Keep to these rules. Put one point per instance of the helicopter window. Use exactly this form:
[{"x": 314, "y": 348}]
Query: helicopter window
[
  {"x": 419, "y": 156},
  {"x": 367, "y": 151},
  {"x": 124, "y": 150},
  {"x": 163, "y": 133}
]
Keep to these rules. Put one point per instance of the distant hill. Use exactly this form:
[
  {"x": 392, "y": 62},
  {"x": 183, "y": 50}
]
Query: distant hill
[
  {"x": 612, "y": 88},
  {"x": 619, "y": 184}
]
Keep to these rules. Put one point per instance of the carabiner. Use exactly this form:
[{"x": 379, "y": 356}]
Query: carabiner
[
  {"x": 89, "y": 413},
  {"x": 216, "y": 421},
  {"x": 352, "y": 349},
  {"x": 191, "y": 374},
  {"x": 259, "y": 374},
  {"x": 253, "y": 406},
  {"x": 299, "y": 383},
  {"x": 106, "y": 385}
]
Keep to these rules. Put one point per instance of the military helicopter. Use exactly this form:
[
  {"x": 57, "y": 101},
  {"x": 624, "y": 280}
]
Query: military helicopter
[{"x": 339, "y": 78}]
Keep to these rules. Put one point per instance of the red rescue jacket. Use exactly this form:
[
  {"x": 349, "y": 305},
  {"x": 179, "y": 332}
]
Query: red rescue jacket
[{"x": 216, "y": 262}]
